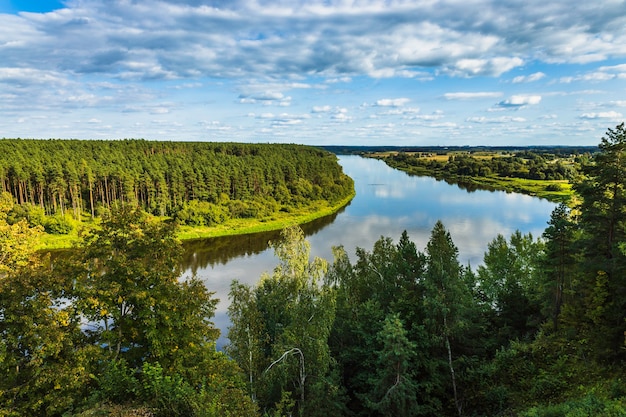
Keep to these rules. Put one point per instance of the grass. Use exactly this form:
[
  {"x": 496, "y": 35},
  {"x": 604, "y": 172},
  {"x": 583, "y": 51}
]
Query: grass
[
  {"x": 552, "y": 190},
  {"x": 277, "y": 221}
]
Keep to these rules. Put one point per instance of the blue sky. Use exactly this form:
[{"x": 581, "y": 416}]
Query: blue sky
[{"x": 321, "y": 72}]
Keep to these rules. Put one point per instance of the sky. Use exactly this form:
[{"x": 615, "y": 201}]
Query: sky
[{"x": 319, "y": 72}]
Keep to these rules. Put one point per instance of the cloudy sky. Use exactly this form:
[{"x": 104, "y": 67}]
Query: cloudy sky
[{"x": 351, "y": 72}]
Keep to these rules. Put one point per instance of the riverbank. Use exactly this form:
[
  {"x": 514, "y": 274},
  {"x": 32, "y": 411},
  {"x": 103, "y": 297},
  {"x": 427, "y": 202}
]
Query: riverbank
[
  {"x": 556, "y": 191},
  {"x": 277, "y": 221}
]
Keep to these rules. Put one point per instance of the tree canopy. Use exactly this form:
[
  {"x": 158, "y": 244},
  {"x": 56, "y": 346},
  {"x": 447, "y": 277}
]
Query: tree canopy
[{"x": 198, "y": 183}]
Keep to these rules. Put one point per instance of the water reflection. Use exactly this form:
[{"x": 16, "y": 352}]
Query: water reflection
[
  {"x": 387, "y": 202},
  {"x": 203, "y": 253}
]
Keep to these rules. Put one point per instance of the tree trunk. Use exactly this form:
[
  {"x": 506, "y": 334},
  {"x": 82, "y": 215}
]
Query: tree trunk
[{"x": 452, "y": 374}]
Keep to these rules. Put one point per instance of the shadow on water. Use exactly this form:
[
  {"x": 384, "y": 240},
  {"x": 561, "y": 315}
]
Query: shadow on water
[
  {"x": 201, "y": 253},
  {"x": 198, "y": 254}
]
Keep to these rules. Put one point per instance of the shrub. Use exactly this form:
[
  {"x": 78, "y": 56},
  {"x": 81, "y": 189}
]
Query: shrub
[
  {"x": 58, "y": 225},
  {"x": 169, "y": 395},
  {"x": 202, "y": 213},
  {"x": 553, "y": 187},
  {"x": 117, "y": 383}
]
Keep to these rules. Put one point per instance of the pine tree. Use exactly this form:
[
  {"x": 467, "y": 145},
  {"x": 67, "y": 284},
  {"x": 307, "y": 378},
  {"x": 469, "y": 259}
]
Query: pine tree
[{"x": 602, "y": 221}]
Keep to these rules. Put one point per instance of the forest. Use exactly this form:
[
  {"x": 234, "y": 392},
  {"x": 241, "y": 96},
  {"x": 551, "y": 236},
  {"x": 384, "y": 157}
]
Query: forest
[
  {"x": 537, "y": 330},
  {"x": 59, "y": 183}
]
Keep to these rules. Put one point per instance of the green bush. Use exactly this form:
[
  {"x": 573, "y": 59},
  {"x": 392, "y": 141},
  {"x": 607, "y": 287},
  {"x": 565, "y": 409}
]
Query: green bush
[
  {"x": 590, "y": 405},
  {"x": 202, "y": 213},
  {"x": 58, "y": 225},
  {"x": 169, "y": 395},
  {"x": 553, "y": 187},
  {"x": 117, "y": 383},
  {"x": 33, "y": 214}
]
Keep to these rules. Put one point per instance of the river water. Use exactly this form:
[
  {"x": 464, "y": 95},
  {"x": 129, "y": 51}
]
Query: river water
[{"x": 387, "y": 202}]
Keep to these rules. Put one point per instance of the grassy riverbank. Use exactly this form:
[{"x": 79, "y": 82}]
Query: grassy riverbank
[
  {"x": 276, "y": 221},
  {"x": 555, "y": 190}
]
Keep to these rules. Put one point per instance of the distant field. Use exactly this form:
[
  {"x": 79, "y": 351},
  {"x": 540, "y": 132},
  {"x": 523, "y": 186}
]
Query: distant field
[{"x": 442, "y": 157}]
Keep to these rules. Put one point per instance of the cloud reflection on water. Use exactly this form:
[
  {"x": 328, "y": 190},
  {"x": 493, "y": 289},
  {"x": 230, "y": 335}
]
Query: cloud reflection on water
[{"x": 400, "y": 202}]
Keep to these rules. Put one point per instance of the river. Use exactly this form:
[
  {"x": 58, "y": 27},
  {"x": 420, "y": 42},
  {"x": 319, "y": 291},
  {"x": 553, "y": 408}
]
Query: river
[{"x": 387, "y": 202}]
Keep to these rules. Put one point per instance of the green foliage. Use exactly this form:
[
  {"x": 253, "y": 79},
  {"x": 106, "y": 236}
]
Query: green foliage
[
  {"x": 34, "y": 214},
  {"x": 117, "y": 383},
  {"x": 538, "y": 330},
  {"x": 280, "y": 328},
  {"x": 168, "y": 395},
  {"x": 43, "y": 364},
  {"x": 185, "y": 180},
  {"x": 58, "y": 225},
  {"x": 508, "y": 281},
  {"x": 148, "y": 345},
  {"x": 530, "y": 172},
  {"x": 16, "y": 240},
  {"x": 202, "y": 213},
  {"x": 601, "y": 220},
  {"x": 590, "y": 405},
  {"x": 558, "y": 264},
  {"x": 394, "y": 392},
  {"x": 524, "y": 164}
]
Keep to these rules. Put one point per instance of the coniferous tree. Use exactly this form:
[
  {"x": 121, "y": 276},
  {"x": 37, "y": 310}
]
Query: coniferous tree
[
  {"x": 558, "y": 263},
  {"x": 446, "y": 298},
  {"x": 602, "y": 221},
  {"x": 394, "y": 391}
]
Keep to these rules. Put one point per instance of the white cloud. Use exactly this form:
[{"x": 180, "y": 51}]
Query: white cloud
[
  {"x": 602, "y": 115},
  {"x": 262, "y": 96},
  {"x": 341, "y": 116},
  {"x": 518, "y": 101},
  {"x": 182, "y": 39},
  {"x": 528, "y": 78},
  {"x": 321, "y": 109},
  {"x": 215, "y": 126},
  {"x": 472, "y": 95},
  {"x": 28, "y": 76},
  {"x": 392, "y": 102},
  {"x": 128, "y": 61},
  {"x": 266, "y": 98},
  {"x": 613, "y": 68},
  {"x": 503, "y": 119},
  {"x": 401, "y": 111},
  {"x": 484, "y": 67}
]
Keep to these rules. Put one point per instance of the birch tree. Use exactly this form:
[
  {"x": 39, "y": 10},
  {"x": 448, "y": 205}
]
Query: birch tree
[{"x": 280, "y": 328}]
